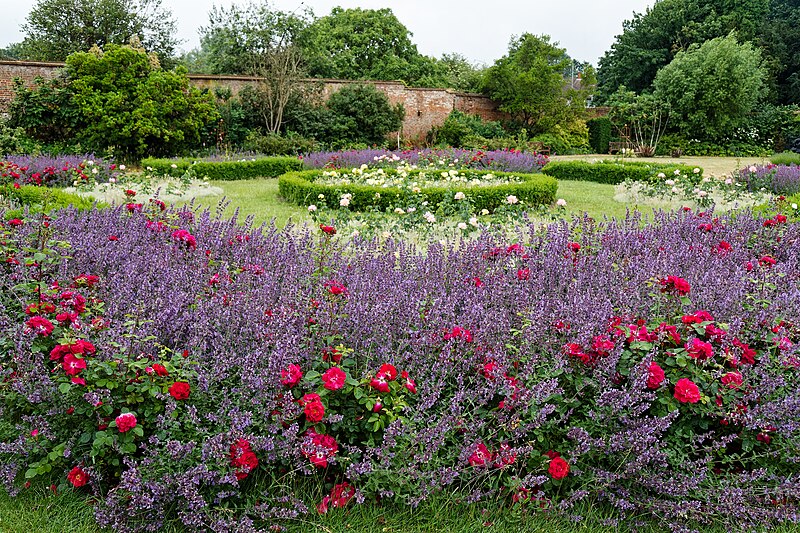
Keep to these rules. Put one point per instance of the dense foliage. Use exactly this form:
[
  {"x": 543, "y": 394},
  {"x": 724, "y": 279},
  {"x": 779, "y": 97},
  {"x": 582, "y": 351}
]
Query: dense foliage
[
  {"x": 176, "y": 365},
  {"x": 118, "y": 101},
  {"x": 54, "y": 29}
]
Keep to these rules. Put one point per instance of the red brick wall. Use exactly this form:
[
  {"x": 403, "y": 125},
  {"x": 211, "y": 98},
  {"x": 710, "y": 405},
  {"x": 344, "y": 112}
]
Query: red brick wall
[{"x": 425, "y": 108}]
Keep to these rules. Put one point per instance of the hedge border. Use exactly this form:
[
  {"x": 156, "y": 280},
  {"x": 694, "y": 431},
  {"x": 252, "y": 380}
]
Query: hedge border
[
  {"x": 611, "y": 172},
  {"x": 299, "y": 188},
  {"x": 32, "y": 197},
  {"x": 264, "y": 167}
]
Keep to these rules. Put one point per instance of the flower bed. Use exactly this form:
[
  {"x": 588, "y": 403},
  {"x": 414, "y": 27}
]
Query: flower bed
[
  {"x": 176, "y": 365},
  {"x": 614, "y": 172},
  {"x": 61, "y": 171},
  {"x": 777, "y": 179},
  {"x": 498, "y": 160},
  {"x": 384, "y": 189},
  {"x": 215, "y": 169}
]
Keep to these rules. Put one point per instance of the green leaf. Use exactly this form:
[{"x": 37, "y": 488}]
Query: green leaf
[
  {"x": 64, "y": 388},
  {"x": 30, "y": 473}
]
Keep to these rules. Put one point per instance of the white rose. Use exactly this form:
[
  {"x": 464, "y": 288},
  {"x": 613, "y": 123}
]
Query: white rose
[
  {"x": 122, "y": 167},
  {"x": 484, "y": 212},
  {"x": 702, "y": 194},
  {"x": 561, "y": 202},
  {"x": 415, "y": 190},
  {"x": 112, "y": 180},
  {"x": 462, "y": 226},
  {"x": 752, "y": 169},
  {"x": 173, "y": 165},
  {"x": 321, "y": 196},
  {"x": 399, "y": 211},
  {"x": 661, "y": 175},
  {"x": 794, "y": 206},
  {"x": 344, "y": 202},
  {"x": 696, "y": 170},
  {"x": 728, "y": 181},
  {"x": 511, "y": 199},
  {"x": 670, "y": 182},
  {"x": 90, "y": 162},
  {"x": 94, "y": 170},
  {"x": 312, "y": 208},
  {"x": 430, "y": 217},
  {"x": 677, "y": 172},
  {"x": 473, "y": 221},
  {"x": 459, "y": 195},
  {"x": 412, "y": 209}
]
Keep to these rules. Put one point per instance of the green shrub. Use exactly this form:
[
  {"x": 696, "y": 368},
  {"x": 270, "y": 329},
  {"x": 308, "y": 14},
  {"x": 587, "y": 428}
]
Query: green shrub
[
  {"x": 599, "y": 134},
  {"x": 273, "y": 144},
  {"x": 786, "y": 158},
  {"x": 265, "y": 167},
  {"x": 458, "y": 127},
  {"x": 300, "y": 188},
  {"x": 40, "y": 199},
  {"x": 610, "y": 172},
  {"x": 15, "y": 141},
  {"x": 677, "y": 145}
]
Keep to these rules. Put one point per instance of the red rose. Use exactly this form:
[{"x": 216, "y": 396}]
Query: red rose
[
  {"x": 291, "y": 375},
  {"x": 524, "y": 274},
  {"x": 675, "y": 284},
  {"x": 767, "y": 261},
  {"x": 699, "y": 350},
  {"x": 559, "y": 468},
  {"x": 481, "y": 456},
  {"x": 686, "y": 391},
  {"x": 319, "y": 449},
  {"x": 409, "y": 384},
  {"x": 72, "y": 365},
  {"x": 733, "y": 380},
  {"x": 389, "y": 371},
  {"x": 336, "y": 288},
  {"x": 125, "y": 422},
  {"x": 78, "y": 477},
  {"x": 334, "y": 378},
  {"x": 655, "y": 377},
  {"x": 243, "y": 459},
  {"x": 380, "y": 383},
  {"x": 40, "y": 325},
  {"x": 160, "y": 370},
  {"x": 341, "y": 494},
  {"x": 314, "y": 411},
  {"x": 328, "y": 230},
  {"x": 180, "y": 390}
]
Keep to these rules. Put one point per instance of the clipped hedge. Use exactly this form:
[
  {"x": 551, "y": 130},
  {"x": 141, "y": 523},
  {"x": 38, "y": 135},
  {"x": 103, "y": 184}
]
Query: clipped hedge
[
  {"x": 599, "y": 134},
  {"x": 299, "y": 188},
  {"x": 265, "y": 167},
  {"x": 785, "y": 158},
  {"x": 611, "y": 172},
  {"x": 41, "y": 199}
]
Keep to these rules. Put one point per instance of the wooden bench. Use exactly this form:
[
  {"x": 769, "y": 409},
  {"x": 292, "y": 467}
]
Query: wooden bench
[
  {"x": 617, "y": 147},
  {"x": 540, "y": 148}
]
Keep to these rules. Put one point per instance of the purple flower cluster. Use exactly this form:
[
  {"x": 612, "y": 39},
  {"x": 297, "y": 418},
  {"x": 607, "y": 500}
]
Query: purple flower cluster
[
  {"x": 778, "y": 179},
  {"x": 499, "y": 160},
  {"x": 533, "y": 389}
]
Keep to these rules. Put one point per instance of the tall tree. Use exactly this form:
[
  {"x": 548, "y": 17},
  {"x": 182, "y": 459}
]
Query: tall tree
[
  {"x": 529, "y": 83},
  {"x": 711, "y": 88},
  {"x": 652, "y": 39},
  {"x": 57, "y": 28},
  {"x": 368, "y": 44}
]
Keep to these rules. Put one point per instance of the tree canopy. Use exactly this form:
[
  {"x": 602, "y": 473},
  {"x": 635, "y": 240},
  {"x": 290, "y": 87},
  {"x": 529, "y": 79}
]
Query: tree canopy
[
  {"x": 529, "y": 83},
  {"x": 55, "y": 29}
]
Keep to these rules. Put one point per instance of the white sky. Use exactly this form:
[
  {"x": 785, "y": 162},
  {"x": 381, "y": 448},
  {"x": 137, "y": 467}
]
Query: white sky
[{"x": 479, "y": 30}]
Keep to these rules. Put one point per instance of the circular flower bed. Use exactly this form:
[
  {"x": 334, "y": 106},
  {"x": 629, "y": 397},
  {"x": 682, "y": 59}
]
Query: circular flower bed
[{"x": 369, "y": 188}]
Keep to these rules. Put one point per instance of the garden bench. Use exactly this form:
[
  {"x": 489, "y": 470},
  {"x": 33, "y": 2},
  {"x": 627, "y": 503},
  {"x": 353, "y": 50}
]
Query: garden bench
[
  {"x": 540, "y": 148},
  {"x": 617, "y": 147}
]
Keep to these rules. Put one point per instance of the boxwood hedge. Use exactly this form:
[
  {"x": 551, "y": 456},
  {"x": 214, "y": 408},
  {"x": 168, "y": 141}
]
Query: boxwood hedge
[
  {"x": 300, "y": 188},
  {"x": 611, "y": 172},
  {"x": 40, "y": 199},
  {"x": 264, "y": 167}
]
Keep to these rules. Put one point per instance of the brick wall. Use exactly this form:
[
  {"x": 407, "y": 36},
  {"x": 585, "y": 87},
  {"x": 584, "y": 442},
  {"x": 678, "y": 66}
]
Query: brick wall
[{"x": 424, "y": 107}]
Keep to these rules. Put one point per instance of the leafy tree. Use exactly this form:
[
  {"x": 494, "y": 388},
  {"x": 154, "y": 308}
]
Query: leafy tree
[
  {"x": 57, "y": 28},
  {"x": 780, "y": 40},
  {"x": 234, "y": 35},
  {"x": 368, "y": 111},
  {"x": 645, "y": 115},
  {"x": 712, "y": 88},
  {"x": 528, "y": 82},
  {"x": 652, "y": 39},
  {"x": 119, "y": 101},
  {"x": 454, "y": 71},
  {"x": 363, "y": 44}
]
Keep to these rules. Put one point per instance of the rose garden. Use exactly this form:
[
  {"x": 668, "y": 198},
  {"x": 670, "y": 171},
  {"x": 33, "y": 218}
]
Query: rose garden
[{"x": 210, "y": 325}]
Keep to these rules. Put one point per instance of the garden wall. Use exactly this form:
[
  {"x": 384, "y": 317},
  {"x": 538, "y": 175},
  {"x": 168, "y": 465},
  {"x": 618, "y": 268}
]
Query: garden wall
[{"x": 424, "y": 107}]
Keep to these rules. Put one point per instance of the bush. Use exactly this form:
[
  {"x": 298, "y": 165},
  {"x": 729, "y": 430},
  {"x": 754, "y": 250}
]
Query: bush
[
  {"x": 300, "y": 188},
  {"x": 458, "y": 127},
  {"x": 367, "y": 113},
  {"x": 785, "y": 158},
  {"x": 244, "y": 169},
  {"x": 274, "y": 144},
  {"x": 33, "y": 199},
  {"x": 15, "y": 141},
  {"x": 677, "y": 146},
  {"x": 599, "y": 134},
  {"x": 117, "y": 101},
  {"x": 610, "y": 172}
]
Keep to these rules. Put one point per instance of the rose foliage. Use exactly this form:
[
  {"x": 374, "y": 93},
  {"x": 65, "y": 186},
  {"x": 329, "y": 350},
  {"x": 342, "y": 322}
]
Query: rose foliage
[{"x": 180, "y": 366}]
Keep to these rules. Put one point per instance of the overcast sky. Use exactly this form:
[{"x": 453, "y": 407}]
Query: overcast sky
[{"x": 479, "y": 30}]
